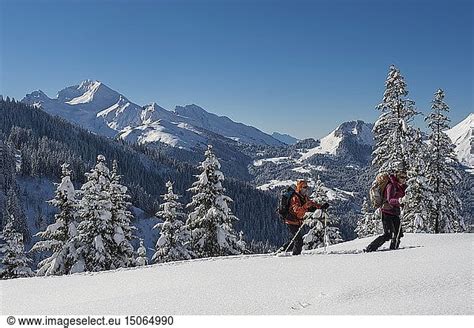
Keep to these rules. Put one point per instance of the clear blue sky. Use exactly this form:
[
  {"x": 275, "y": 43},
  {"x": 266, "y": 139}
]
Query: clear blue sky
[{"x": 301, "y": 67}]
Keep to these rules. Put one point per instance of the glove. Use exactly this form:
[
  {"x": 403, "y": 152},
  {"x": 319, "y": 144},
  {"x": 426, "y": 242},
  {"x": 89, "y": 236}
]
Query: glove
[
  {"x": 309, "y": 205},
  {"x": 312, "y": 209},
  {"x": 325, "y": 206}
]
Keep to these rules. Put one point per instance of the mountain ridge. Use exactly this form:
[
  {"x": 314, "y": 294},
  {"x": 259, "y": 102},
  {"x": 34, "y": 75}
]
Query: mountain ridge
[{"x": 96, "y": 107}]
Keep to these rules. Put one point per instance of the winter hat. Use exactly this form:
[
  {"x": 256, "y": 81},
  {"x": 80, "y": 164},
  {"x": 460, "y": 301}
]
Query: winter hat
[{"x": 300, "y": 184}]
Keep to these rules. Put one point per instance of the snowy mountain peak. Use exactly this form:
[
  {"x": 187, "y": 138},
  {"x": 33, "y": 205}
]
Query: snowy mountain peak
[
  {"x": 88, "y": 91},
  {"x": 154, "y": 112},
  {"x": 462, "y": 137},
  {"x": 360, "y": 129},
  {"x": 36, "y": 98},
  {"x": 154, "y": 107},
  {"x": 190, "y": 111},
  {"x": 353, "y": 138}
]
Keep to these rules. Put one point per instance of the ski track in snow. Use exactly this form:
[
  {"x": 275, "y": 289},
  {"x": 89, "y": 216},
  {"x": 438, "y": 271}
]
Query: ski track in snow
[{"x": 430, "y": 274}]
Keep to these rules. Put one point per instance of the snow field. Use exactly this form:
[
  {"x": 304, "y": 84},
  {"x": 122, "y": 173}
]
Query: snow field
[{"x": 431, "y": 274}]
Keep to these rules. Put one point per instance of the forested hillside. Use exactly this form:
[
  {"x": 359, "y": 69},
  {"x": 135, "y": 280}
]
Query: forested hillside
[{"x": 42, "y": 143}]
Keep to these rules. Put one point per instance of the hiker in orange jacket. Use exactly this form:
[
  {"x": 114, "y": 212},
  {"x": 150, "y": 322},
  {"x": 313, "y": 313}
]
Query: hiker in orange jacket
[{"x": 300, "y": 204}]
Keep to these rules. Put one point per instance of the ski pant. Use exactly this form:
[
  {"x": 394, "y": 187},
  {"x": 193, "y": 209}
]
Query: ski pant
[
  {"x": 391, "y": 231},
  {"x": 297, "y": 244}
]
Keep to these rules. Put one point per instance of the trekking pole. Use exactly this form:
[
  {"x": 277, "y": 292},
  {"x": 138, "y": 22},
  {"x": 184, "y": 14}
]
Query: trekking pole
[
  {"x": 326, "y": 241},
  {"x": 292, "y": 240},
  {"x": 397, "y": 238}
]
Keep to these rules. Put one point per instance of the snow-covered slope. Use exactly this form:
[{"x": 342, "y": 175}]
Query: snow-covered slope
[
  {"x": 96, "y": 107},
  {"x": 175, "y": 134},
  {"x": 430, "y": 274},
  {"x": 196, "y": 116},
  {"x": 462, "y": 137},
  {"x": 347, "y": 138}
]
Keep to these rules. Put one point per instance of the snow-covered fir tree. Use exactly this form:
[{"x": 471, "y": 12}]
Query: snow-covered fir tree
[
  {"x": 14, "y": 262},
  {"x": 319, "y": 194},
  {"x": 369, "y": 223},
  {"x": 392, "y": 129},
  {"x": 99, "y": 240},
  {"x": 211, "y": 220},
  {"x": 121, "y": 221},
  {"x": 320, "y": 222},
  {"x": 141, "y": 259},
  {"x": 418, "y": 200},
  {"x": 14, "y": 208},
  {"x": 174, "y": 243},
  {"x": 441, "y": 171},
  {"x": 58, "y": 237}
]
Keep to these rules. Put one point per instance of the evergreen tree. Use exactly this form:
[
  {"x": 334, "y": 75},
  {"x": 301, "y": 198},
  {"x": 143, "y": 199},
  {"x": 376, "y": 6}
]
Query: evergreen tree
[
  {"x": 14, "y": 262},
  {"x": 7, "y": 179},
  {"x": 14, "y": 208},
  {"x": 142, "y": 259},
  {"x": 319, "y": 194},
  {"x": 99, "y": 240},
  {"x": 320, "y": 222},
  {"x": 211, "y": 220},
  {"x": 174, "y": 243},
  {"x": 369, "y": 223},
  {"x": 58, "y": 237},
  {"x": 441, "y": 171},
  {"x": 418, "y": 200},
  {"x": 392, "y": 130},
  {"x": 121, "y": 221}
]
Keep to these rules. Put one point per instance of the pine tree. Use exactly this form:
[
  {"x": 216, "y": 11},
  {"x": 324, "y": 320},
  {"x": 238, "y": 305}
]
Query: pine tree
[
  {"x": 99, "y": 240},
  {"x": 441, "y": 171},
  {"x": 58, "y": 237},
  {"x": 121, "y": 221},
  {"x": 14, "y": 208},
  {"x": 314, "y": 238},
  {"x": 142, "y": 259},
  {"x": 418, "y": 200},
  {"x": 14, "y": 262},
  {"x": 211, "y": 220},
  {"x": 319, "y": 194},
  {"x": 369, "y": 223},
  {"x": 392, "y": 129},
  {"x": 174, "y": 243}
]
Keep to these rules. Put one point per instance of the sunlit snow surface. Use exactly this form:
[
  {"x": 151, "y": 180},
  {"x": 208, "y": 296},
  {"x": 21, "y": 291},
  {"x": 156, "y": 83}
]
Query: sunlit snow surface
[{"x": 430, "y": 274}]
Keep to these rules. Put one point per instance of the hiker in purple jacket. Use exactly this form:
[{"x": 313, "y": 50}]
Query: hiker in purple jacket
[{"x": 394, "y": 192}]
